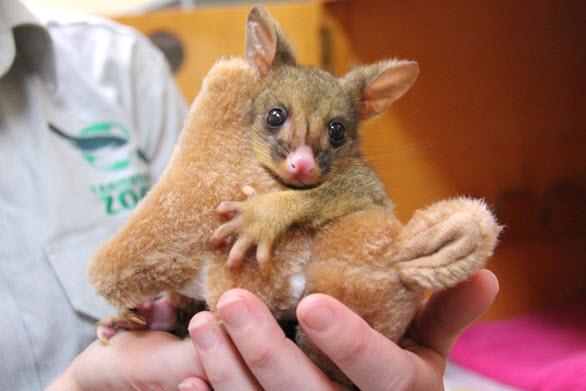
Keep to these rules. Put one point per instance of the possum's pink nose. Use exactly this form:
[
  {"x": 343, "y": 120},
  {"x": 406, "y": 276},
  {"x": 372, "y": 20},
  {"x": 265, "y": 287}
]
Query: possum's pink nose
[{"x": 301, "y": 163}]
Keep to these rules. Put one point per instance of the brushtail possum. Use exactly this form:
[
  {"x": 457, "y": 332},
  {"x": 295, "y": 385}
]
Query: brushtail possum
[{"x": 304, "y": 130}]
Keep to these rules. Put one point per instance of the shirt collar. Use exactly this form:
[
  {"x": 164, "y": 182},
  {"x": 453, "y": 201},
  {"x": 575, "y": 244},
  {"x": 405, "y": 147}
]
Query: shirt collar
[{"x": 21, "y": 33}]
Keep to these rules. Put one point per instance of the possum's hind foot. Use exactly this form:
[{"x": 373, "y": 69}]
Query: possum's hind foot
[
  {"x": 127, "y": 320},
  {"x": 149, "y": 315}
]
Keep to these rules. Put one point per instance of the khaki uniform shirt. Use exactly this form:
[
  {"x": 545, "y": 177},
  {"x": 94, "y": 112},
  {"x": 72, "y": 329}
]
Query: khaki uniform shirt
[{"x": 88, "y": 118}]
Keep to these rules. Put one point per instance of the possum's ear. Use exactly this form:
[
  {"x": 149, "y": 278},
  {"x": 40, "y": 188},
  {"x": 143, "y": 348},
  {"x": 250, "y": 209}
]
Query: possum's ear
[
  {"x": 446, "y": 243},
  {"x": 266, "y": 44},
  {"x": 374, "y": 87}
]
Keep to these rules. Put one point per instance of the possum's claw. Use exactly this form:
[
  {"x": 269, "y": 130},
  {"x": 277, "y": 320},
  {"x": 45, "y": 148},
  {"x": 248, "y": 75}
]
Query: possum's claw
[
  {"x": 249, "y": 191},
  {"x": 263, "y": 254},
  {"x": 138, "y": 320},
  {"x": 223, "y": 233},
  {"x": 128, "y": 320},
  {"x": 227, "y": 209},
  {"x": 238, "y": 251}
]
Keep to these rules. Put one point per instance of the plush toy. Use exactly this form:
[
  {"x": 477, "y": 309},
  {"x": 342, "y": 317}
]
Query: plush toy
[{"x": 367, "y": 259}]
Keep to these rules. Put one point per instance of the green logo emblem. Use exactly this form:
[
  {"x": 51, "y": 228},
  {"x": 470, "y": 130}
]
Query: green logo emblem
[
  {"x": 104, "y": 145},
  {"x": 107, "y": 148}
]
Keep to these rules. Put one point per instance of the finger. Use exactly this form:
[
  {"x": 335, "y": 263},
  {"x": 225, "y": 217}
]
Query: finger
[
  {"x": 143, "y": 358},
  {"x": 447, "y": 313},
  {"x": 249, "y": 191},
  {"x": 276, "y": 362},
  {"x": 222, "y": 364},
  {"x": 263, "y": 254},
  {"x": 238, "y": 251},
  {"x": 227, "y": 207},
  {"x": 193, "y": 384},
  {"x": 369, "y": 359},
  {"x": 224, "y": 231}
]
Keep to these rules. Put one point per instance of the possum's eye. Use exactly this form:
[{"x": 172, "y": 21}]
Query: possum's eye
[
  {"x": 336, "y": 132},
  {"x": 276, "y": 117}
]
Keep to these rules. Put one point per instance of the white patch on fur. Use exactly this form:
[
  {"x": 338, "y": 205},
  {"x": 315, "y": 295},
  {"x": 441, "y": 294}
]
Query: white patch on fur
[
  {"x": 297, "y": 283},
  {"x": 195, "y": 287}
]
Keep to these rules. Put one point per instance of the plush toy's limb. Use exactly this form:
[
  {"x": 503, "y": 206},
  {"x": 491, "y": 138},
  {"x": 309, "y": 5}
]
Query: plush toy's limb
[
  {"x": 164, "y": 244},
  {"x": 446, "y": 243}
]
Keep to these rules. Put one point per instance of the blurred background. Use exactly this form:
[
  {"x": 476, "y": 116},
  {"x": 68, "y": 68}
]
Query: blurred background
[{"x": 497, "y": 113}]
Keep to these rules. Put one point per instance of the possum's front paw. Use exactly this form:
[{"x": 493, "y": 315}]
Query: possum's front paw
[
  {"x": 150, "y": 315},
  {"x": 252, "y": 224}
]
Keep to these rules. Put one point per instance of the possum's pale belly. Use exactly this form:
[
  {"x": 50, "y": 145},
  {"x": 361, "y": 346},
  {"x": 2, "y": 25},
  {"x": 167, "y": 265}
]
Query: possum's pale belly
[{"x": 195, "y": 288}]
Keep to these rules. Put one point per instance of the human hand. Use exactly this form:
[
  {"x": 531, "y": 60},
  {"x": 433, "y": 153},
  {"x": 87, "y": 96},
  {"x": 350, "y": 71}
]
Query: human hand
[
  {"x": 136, "y": 359},
  {"x": 133, "y": 360},
  {"x": 252, "y": 352}
]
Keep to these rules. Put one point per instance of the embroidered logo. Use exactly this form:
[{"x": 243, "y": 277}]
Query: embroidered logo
[{"x": 106, "y": 147}]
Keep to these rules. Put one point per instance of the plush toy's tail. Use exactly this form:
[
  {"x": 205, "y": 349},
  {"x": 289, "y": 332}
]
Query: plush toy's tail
[{"x": 446, "y": 243}]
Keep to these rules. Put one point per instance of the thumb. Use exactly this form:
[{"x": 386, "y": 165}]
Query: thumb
[
  {"x": 447, "y": 313},
  {"x": 369, "y": 359}
]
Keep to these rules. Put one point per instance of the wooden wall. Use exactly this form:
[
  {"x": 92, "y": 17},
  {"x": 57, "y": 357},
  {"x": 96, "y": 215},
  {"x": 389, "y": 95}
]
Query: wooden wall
[
  {"x": 213, "y": 32},
  {"x": 498, "y": 113}
]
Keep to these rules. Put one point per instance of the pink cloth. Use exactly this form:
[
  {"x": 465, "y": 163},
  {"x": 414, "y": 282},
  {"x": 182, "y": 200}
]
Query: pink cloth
[{"x": 541, "y": 351}]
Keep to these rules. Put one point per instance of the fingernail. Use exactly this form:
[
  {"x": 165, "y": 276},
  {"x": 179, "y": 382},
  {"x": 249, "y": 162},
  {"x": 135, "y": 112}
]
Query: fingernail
[
  {"x": 203, "y": 333},
  {"x": 234, "y": 312},
  {"x": 186, "y": 386},
  {"x": 318, "y": 317}
]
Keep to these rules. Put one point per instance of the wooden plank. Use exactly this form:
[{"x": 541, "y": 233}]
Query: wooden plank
[
  {"x": 210, "y": 33},
  {"x": 498, "y": 112}
]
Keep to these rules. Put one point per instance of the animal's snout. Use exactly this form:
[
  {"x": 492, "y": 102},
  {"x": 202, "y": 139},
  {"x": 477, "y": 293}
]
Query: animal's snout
[{"x": 301, "y": 163}]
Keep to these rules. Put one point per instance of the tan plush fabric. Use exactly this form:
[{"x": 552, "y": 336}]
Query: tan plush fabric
[{"x": 368, "y": 259}]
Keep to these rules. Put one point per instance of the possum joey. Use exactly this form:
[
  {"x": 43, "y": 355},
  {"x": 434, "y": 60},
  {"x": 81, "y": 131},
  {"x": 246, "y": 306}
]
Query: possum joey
[{"x": 304, "y": 131}]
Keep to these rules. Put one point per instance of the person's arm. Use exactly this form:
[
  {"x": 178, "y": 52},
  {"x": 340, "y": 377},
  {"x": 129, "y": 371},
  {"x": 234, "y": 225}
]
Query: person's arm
[{"x": 251, "y": 352}]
